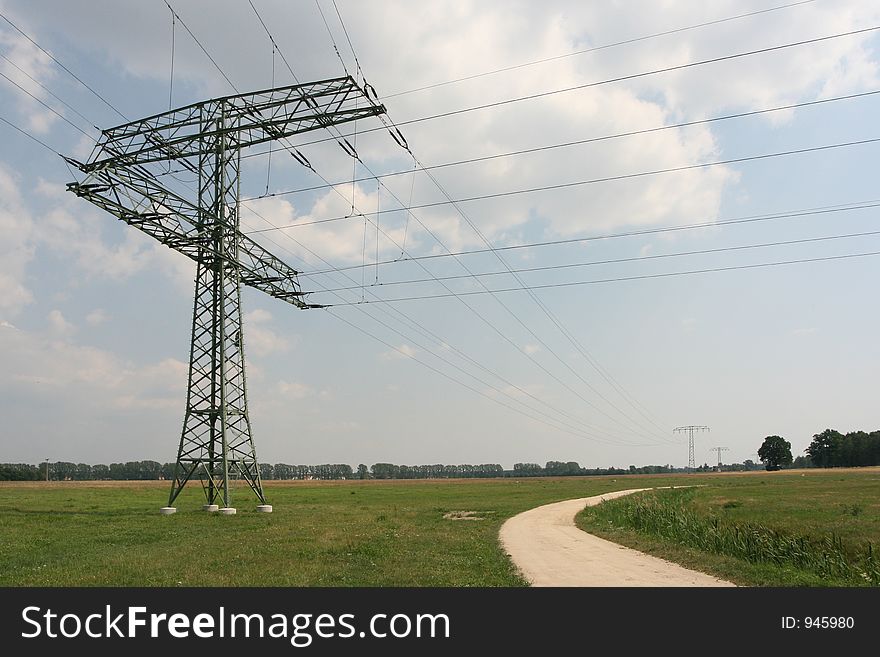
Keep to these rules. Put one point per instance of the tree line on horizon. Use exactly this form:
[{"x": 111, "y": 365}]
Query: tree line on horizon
[
  {"x": 828, "y": 449},
  {"x": 153, "y": 470},
  {"x": 832, "y": 449}
]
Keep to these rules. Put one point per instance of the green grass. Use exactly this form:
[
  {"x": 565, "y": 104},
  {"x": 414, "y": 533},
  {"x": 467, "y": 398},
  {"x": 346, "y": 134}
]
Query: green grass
[
  {"x": 345, "y": 534},
  {"x": 819, "y": 529},
  {"x": 372, "y": 533}
]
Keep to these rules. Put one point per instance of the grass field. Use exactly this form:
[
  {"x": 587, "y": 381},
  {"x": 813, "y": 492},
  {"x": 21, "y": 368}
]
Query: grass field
[
  {"x": 797, "y": 528},
  {"x": 373, "y": 533}
]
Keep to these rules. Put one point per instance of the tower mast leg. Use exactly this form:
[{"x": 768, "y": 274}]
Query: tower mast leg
[{"x": 216, "y": 442}]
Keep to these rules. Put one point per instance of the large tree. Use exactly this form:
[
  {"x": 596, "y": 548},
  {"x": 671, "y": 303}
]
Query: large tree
[
  {"x": 775, "y": 452},
  {"x": 825, "y": 448}
]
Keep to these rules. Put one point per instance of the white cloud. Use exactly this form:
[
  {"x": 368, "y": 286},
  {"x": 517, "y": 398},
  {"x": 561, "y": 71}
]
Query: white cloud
[
  {"x": 260, "y": 339},
  {"x": 97, "y": 317},
  {"x": 448, "y": 41},
  {"x": 531, "y": 349},
  {"x": 258, "y": 316},
  {"x": 338, "y": 241},
  {"x": 85, "y": 373},
  {"x": 76, "y": 232},
  {"x": 294, "y": 390},
  {"x": 27, "y": 66},
  {"x": 72, "y": 228},
  {"x": 132, "y": 402},
  {"x": 58, "y": 325},
  {"x": 16, "y": 245},
  {"x": 839, "y": 65},
  {"x": 169, "y": 374}
]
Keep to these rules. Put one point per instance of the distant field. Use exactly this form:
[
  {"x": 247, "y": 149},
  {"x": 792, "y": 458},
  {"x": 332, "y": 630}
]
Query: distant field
[
  {"x": 792, "y": 528},
  {"x": 352, "y": 533}
]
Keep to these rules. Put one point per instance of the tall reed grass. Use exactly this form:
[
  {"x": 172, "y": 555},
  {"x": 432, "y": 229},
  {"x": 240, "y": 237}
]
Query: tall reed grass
[{"x": 666, "y": 514}]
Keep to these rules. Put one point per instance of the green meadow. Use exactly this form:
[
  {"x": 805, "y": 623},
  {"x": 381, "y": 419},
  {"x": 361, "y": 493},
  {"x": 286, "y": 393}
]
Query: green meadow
[{"x": 381, "y": 533}]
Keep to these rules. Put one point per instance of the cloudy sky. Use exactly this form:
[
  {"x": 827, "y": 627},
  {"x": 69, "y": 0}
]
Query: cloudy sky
[{"x": 95, "y": 317}]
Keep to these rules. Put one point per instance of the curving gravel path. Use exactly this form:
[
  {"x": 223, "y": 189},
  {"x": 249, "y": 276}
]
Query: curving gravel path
[{"x": 550, "y": 550}]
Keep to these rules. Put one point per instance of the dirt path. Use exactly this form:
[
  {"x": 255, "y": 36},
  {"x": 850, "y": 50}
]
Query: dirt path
[{"x": 550, "y": 550}]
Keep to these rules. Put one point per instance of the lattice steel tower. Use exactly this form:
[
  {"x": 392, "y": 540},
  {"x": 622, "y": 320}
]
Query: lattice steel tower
[
  {"x": 131, "y": 175},
  {"x": 719, "y": 450},
  {"x": 690, "y": 429}
]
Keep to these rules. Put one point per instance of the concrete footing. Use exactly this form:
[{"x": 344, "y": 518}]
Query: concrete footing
[
  {"x": 264, "y": 508},
  {"x": 210, "y": 508},
  {"x": 168, "y": 510},
  {"x": 227, "y": 511}
]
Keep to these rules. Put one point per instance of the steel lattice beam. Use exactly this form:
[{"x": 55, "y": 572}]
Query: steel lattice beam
[
  {"x": 248, "y": 120},
  {"x": 128, "y": 176}
]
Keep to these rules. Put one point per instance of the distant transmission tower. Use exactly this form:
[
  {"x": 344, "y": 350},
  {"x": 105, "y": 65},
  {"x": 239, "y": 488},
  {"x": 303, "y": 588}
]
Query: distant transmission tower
[
  {"x": 719, "y": 450},
  {"x": 129, "y": 174},
  {"x": 690, "y": 429}
]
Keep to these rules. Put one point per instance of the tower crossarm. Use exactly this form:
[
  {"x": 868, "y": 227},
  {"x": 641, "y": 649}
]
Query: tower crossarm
[
  {"x": 248, "y": 120},
  {"x": 139, "y": 200},
  {"x": 263, "y": 271}
]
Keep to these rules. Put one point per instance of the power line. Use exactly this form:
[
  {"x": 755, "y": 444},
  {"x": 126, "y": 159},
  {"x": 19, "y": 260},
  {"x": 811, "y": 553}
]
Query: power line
[
  {"x": 199, "y": 44},
  {"x": 846, "y": 207},
  {"x": 595, "y": 49},
  {"x": 330, "y": 32},
  {"x": 635, "y": 76},
  {"x": 30, "y": 136},
  {"x": 483, "y": 319},
  {"x": 46, "y": 105},
  {"x": 430, "y": 367},
  {"x": 368, "y": 167},
  {"x": 347, "y": 38},
  {"x": 49, "y": 148},
  {"x": 657, "y": 256},
  {"x": 522, "y": 285},
  {"x": 623, "y": 78},
  {"x": 538, "y": 302},
  {"x": 432, "y": 336},
  {"x": 47, "y": 90},
  {"x": 402, "y": 205},
  {"x": 459, "y": 352},
  {"x": 579, "y": 142},
  {"x": 470, "y": 308},
  {"x": 63, "y": 67},
  {"x": 623, "y": 278},
  {"x": 171, "y": 76},
  {"x": 479, "y": 392},
  {"x": 272, "y": 39},
  {"x": 594, "y": 181}
]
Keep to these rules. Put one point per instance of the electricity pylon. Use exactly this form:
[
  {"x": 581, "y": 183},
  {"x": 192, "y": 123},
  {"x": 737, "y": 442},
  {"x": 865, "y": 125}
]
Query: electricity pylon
[
  {"x": 690, "y": 429},
  {"x": 129, "y": 174},
  {"x": 719, "y": 450}
]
